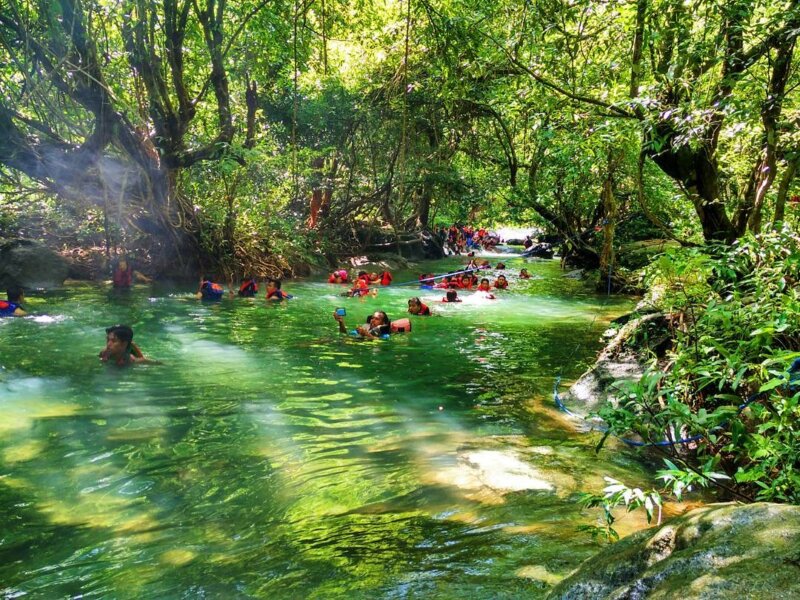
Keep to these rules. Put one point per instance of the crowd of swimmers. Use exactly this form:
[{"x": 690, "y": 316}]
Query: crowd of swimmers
[
  {"x": 120, "y": 349},
  {"x": 461, "y": 239}
]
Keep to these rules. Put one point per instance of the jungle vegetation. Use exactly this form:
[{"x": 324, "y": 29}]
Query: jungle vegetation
[
  {"x": 219, "y": 126},
  {"x": 254, "y": 134}
]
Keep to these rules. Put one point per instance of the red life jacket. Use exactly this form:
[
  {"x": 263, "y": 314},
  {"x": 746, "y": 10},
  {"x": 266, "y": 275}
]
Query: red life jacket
[
  {"x": 123, "y": 278},
  {"x": 386, "y": 278},
  {"x": 248, "y": 288}
]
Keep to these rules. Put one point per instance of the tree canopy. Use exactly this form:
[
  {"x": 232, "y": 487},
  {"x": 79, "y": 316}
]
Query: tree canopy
[{"x": 245, "y": 127}]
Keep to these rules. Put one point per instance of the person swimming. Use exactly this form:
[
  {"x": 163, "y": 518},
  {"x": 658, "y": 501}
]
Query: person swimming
[
  {"x": 209, "y": 290},
  {"x": 384, "y": 278},
  {"x": 360, "y": 288},
  {"x": 484, "y": 286},
  {"x": 501, "y": 282},
  {"x": 417, "y": 307},
  {"x": 377, "y": 326},
  {"x": 249, "y": 288},
  {"x": 523, "y": 274},
  {"x": 120, "y": 349},
  {"x": 124, "y": 274},
  {"x": 274, "y": 291},
  {"x": 338, "y": 276},
  {"x": 452, "y": 296}
]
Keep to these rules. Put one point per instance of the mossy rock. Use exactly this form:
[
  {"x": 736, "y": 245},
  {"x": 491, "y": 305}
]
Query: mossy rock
[{"x": 718, "y": 552}]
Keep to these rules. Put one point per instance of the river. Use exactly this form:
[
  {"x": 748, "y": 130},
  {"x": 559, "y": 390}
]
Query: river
[{"x": 272, "y": 457}]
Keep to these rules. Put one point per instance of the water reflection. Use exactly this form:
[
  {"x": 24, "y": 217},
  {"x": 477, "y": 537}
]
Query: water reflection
[{"x": 270, "y": 456}]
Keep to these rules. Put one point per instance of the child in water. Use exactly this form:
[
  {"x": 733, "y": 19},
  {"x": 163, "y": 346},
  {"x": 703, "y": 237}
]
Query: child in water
[
  {"x": 120, "y": 349},
  {"x": 523, "y": 274}
]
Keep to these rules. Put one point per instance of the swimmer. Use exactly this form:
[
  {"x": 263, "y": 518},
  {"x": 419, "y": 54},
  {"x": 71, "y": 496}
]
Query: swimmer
[
  {"x": 523, "y": 274},
  {"x": 500, "y": 266},
  {"x": 209, "y": 290},
  {"x": 124, "y": 274},
  {"x": 249, "y": 288},
  {"x": 360, "y": 288},
  {"x": 484, "y": 286},
  {"x": 466, "y": 282},
  {"x": 120, "y": 349},
  {"x": 377, "y": 326},
  {"x": 501, "y": 283},
  {"x": 274, "y": 291},
  {"x": 416, "y": 307},
  {"x": 339, "y": 276},
  {"x": 452, "y": 296}
]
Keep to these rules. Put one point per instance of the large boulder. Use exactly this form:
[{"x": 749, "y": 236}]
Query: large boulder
[
  {"x": 718, "y": 552},
  {"x": 31, "y": 265}
]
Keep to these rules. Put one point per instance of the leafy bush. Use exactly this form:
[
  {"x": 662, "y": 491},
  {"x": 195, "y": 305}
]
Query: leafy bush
[{"x": 734, "y": 314}]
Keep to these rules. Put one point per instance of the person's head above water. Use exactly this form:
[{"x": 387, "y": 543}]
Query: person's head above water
[
  {"x": 452, "y": 296},
  {"x": 118, "y": 339},
  {"x": 378, "y": 318},
  {"x": 414, "y": 305}
]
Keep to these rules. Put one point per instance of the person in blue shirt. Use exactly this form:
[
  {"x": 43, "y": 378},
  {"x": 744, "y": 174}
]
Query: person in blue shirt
[{"x": 13, "y": 306}]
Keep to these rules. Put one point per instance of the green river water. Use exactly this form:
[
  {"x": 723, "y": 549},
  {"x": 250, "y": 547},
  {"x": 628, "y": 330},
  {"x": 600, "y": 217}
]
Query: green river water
[{"x": 271, "y": 457}]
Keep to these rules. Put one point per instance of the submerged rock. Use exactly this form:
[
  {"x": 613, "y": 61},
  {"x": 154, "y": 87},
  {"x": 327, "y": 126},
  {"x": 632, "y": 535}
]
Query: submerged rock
[
  {"x": 720, "y": 551},
  {"x": 616, "y": 366}
]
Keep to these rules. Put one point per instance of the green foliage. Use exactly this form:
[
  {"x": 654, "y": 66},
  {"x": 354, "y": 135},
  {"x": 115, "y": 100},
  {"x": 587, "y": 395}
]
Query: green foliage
[
  {"x": 734, "y": 314},
  {"x": 617, "y": 494}
]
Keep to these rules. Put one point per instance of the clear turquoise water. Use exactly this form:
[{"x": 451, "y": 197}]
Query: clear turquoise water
[{"x": 271, "y": 457}]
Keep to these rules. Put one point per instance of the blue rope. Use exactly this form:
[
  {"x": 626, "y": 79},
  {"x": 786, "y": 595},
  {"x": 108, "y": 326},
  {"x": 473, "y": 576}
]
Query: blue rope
[{"x": 562, "y": 407}]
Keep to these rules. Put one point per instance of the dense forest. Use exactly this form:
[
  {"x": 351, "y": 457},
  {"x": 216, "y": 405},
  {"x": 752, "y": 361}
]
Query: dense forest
[
  {"x": 252, "y": 136},
  {"x": 257, "y": 132}
]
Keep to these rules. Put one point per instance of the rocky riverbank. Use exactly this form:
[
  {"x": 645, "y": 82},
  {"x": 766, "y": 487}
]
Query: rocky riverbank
[{"x": 720, "y": 551}]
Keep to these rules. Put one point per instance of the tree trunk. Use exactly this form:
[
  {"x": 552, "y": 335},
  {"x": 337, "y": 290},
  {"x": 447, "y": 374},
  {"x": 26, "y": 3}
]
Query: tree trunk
[{"x": 783, "y": 190}]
